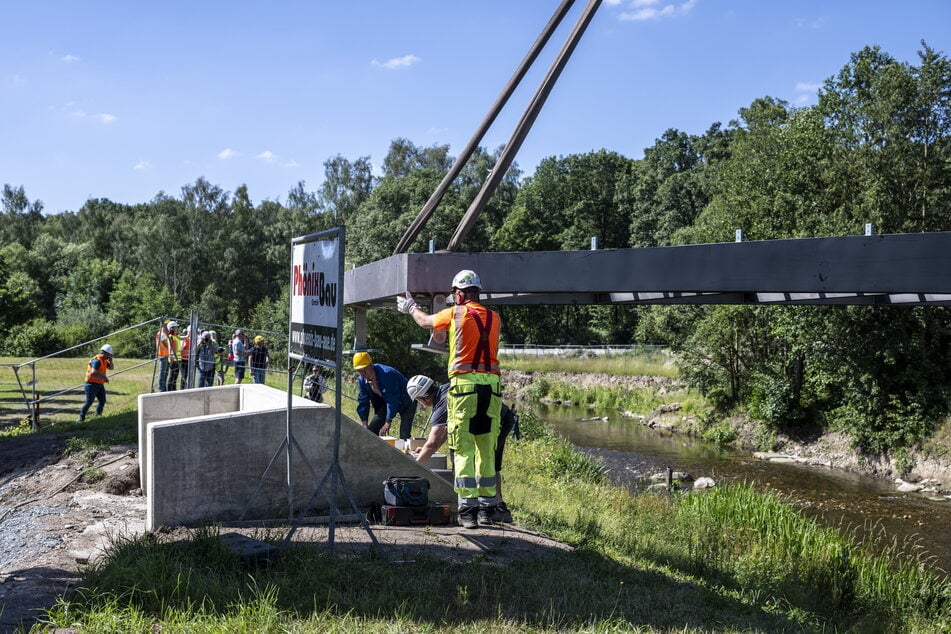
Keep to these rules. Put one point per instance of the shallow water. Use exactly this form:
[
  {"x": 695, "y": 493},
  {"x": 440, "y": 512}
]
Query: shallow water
[{"x": 868, "y": 508}]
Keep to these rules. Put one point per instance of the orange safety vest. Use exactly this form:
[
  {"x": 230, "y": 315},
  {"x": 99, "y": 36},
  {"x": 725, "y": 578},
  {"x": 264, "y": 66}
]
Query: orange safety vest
[
  {"x": 161, "y": 344},
  {"x": 473, "y": 339},
  {"x": 186, "y": 344},
  {"x": 97, "y": 376}
]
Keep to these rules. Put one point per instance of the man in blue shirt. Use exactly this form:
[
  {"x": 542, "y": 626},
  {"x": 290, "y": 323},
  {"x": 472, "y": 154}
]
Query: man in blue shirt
[{"x": 384, "y": 389}]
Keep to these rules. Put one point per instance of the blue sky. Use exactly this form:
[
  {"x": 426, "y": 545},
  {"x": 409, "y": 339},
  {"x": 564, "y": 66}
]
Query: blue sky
[{"x": 123, "y": 100}]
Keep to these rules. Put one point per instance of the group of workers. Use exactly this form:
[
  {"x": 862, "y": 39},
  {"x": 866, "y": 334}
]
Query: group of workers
[
  {"x": 467, "y": 412},
  {"x": 211, "y": 359}
]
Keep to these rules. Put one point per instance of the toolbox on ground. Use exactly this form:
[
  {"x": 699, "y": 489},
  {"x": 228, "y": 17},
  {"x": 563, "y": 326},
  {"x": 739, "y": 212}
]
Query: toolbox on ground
[{"x": 434, "y": 514}]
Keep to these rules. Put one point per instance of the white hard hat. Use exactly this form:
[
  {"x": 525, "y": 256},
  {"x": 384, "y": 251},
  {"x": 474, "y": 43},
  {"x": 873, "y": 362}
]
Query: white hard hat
[
  {"x": 419, "y": 386},
  {"x": 106, "y": 348},
  {"x": 173, "y": 324},
  {"x": 466, "y": 279}
]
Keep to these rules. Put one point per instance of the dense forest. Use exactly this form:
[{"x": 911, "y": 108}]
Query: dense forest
[{"x": 875, "y": 148}]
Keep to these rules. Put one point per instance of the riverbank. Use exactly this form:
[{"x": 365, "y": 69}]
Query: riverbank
[{"x": 925, "y": 469}]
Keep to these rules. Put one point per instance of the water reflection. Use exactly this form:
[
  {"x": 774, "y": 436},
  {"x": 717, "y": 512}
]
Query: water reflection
[{"x": 870, "y": 509}]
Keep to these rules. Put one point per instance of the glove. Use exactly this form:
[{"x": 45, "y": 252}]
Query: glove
[{"x": 406, "y": 304}]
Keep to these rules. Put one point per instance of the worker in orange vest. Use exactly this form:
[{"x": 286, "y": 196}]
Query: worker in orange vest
[
  {"x": 96, "y": 379},
  {"x": 185, "y": 355},
  {"x": 475, "y": 393}
]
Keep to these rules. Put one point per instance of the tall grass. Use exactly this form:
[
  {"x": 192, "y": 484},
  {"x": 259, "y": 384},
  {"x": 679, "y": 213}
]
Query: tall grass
[
  {"x": 727, "y": 560},
  {"x": 620, "y": 364}
]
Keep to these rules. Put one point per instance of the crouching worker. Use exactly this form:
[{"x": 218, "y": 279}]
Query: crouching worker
[
  {"x": 384, "y": 389},
  {"x": 425, "y": 392}
]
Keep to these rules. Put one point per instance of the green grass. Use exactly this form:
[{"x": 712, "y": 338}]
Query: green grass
[
  {"x": 655, "y": 363},
  {"x": 727, "y": 560}
]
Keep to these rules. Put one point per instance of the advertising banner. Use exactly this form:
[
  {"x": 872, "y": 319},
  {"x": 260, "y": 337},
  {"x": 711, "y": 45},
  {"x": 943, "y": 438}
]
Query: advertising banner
[{"x": 315, "y": 293}]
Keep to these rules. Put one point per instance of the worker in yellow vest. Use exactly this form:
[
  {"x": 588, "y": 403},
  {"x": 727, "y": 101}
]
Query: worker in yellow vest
[{"x": 174, "y": 356}]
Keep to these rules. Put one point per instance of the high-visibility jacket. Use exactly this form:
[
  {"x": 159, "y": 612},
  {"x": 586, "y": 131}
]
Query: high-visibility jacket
[
  {"x": 473, "y": 338},
  {"x": 162, "y": 344},
  {"x": 174, "y": 346},
  {"x": 96, "y": 372},
  {"x": 186, "y": 348}
]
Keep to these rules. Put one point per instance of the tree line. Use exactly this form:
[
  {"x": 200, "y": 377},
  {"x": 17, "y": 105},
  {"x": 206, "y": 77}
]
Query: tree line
[{"x": 873, "y": 149}]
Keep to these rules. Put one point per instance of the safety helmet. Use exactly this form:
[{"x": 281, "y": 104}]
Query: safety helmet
[
  {"x": 106, "y": 348},
  {"x": 466, "y": 279},
  {"x": 419, "y": 386},
  {"x": 186, "y": 331},
  {"x": 212, "y": 334},
  {"x": 362, "y": 360},
  {"x": 173, "y": 324},
  {"x": 259, "y": 339}
]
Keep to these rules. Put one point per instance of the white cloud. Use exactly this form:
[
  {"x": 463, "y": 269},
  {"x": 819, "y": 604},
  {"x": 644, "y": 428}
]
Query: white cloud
[
  {"x": 106, "y": 117},
  {"x": 142, "y": 165},
  {"x": 644, "y": 10},
  {"x": 271, "y": 158},
  {"x": 814, "y": 23},
  {"x": 69, "y": 58},
  {"x": 395, "y": 63},
  {"x": 806, "y": 91},
  {"x": 228, "y": 153}
]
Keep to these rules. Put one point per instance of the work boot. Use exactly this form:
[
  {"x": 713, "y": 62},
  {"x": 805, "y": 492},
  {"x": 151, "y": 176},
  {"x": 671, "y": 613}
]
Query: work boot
[
  {"x": 468, "y": 517},
  {"x": 502, "y": 514},
  {"x": 486, "y": 515}
]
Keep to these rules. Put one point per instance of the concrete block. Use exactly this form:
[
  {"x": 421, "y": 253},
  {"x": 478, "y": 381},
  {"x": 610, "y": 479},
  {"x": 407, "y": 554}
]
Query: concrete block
[{"x": 207, "y": 468}]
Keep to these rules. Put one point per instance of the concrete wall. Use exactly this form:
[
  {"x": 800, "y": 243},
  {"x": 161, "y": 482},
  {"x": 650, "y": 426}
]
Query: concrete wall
[{"x": 206, "y": 467}]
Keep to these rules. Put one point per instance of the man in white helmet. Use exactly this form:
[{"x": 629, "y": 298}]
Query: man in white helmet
[
  {"x": 475, "y": 393},
  {"x": 425, "y": 391},
  {"x": 95, "y": 385},
  {"x": 164, "y": 351}
]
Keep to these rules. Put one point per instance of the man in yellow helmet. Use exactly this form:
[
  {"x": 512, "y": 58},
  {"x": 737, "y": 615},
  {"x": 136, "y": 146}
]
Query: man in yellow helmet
[
  {"x": 475, "y": 393},
  {"x": 384, "y": 389}
]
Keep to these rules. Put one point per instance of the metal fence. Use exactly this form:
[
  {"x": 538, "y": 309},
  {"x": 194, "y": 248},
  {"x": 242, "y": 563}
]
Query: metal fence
[{"x": 34, "y": 391}]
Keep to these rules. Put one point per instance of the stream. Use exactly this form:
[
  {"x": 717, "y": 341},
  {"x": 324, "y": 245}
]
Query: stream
[{"x": 867, "y": 508}]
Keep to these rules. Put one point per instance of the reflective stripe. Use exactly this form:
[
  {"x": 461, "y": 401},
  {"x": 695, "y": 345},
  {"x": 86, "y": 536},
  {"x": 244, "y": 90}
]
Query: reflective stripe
[{"x": 476, "y": 482}]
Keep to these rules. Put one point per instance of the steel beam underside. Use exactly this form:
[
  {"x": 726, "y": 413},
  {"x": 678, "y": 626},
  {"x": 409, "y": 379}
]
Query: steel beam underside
[{"x": 894, "y": 269}]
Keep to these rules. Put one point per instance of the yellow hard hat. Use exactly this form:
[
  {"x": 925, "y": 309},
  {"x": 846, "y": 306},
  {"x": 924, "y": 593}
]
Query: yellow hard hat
[
  {"x": 258, "y": 339},
  {"x": 361, "y": 360}
]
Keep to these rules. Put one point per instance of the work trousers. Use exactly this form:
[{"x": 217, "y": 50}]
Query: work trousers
[
  {"x": 474, "y": 418},
  {"x": 162, "y": 373},
  {"x": 93, "y": 391}
]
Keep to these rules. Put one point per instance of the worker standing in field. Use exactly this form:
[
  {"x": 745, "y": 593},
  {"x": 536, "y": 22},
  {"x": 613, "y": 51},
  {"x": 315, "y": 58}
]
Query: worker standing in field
[
  {"x": 96, "y": 379},
  {"x": 174, "y": 351},
  {"x": 162, "y": 352},
  {"x": 475, "y": 393}
]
